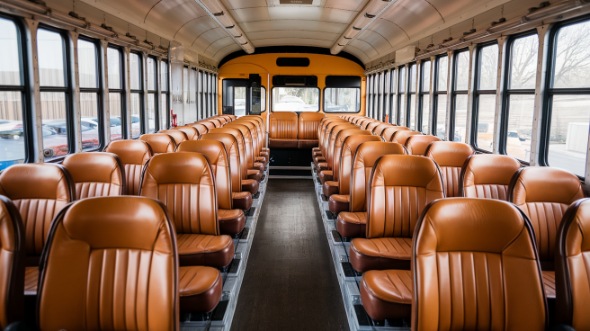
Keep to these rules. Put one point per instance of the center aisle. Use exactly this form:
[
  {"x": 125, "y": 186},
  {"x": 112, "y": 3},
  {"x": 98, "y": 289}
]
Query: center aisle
[{"x": 290, "y": 283}]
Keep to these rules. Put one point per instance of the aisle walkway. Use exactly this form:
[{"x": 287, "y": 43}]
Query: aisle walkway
[{"x": 290, "y": 282}]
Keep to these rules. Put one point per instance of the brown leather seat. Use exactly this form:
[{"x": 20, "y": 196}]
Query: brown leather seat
[
  {"x": 184, "y": 183},
  {"x": 320, "y": 159},
  {"x": 231, "y": 221},
  {"x": 352, "y": 223},
  {"x": 258, "y": 155},
  {"x": 487, "y": 176},
  {"x": 330, "y": 187},
  {"x": 417, "y": 144},
  {"x": 12, "y": 270},
  {"x": 134, "y": 155},
  {"x": 390, "y": 132},
  {"x": 378, "y": 130},
  {"x": 572, "y": 275},
  {"x": 95, "y": 174},
  {"x": 307, "y": 135},
  {"x": 341, "y": 201},
  {"x": 400, "y": 188},
  {"x": 328, "y": 167},
  {"x": 200, "y": 127},
  {"x": 39, "y": 191},
  {"x": 401, "y": 137},
  {"x": 190, "y": 132},
  {"x": 450, "y": 157},
  {"x": 544, "y": 194},
  {"x": 240, "y": 180},
  {"x": 177, "y": 135},
  {"x": 283, "y": 128},
  {"x": 255, "y": 170},
  {"x": 207, "y": 123},
  {"x": 373, "y": 125},
  {"x": 159, "y": 142},
  {"x": 475, "y": 267},
  {"x": 105, "y": 270}
]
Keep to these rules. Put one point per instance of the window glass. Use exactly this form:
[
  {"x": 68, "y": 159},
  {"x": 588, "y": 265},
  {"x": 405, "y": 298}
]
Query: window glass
[
  {"x": 12, "y": 138},
  {"x": 488, "y": 67},
  {"x": 115, "y": 108},
  {"x": 239, "y": 100},
  {"x": 164, "y": 75},
  {"x": 87, "y": 61},
  {"x": 486, "y": 96},
  {"x": 295, "y": 99},
  {"x": 520, "y": 123},
  {"x": 425, "y": 95},
  {"x": 460, "y": 117},
  {"x": 151, "y": 112},
  {"x": 462, "y": 71},
  {"x": 135, "y": 71},
  {"x": 441, "y": 116},
  {"x": 10, "y": 60},
  {"x": 89, "y": 125},
  {"x": 114, "y": 70},
  {"x": 151, "y": 74},
  {"x": 135, "y": 109},
  {"x": 485, "y": 121},
  {"x": 55, "y": 127},
  {"x": 51, "y": 65},
  {"x": 342, "y": 100},
  {"x": 442, "y": 73},
  {"x": 570, "y": 111},
  {"x": 163, "y": 111},
  {"x": 523, "y": 62},
  {"x": 263, "y": 98},
  {"x": 402, "y": 96}
]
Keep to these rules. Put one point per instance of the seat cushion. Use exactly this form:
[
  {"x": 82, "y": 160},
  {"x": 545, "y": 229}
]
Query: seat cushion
[
  {"x": 231, "y": 221},
  {"x": 307, "y": 143},
  {"x": 202, "y": 249},
  {"x": 330, "y": 187},
  {"x": 338, "y": 203},
  {"x": 31, "y": 280},
  {"x": 321, "y": 166},
  {"x": 255, "y": 174},
  {"x": 282, "y": 143},
  {"x": 387, "y": 294},
  {"x": 352, "y": 224},
  {"x": 380, "y": 253},
  {"x": 549, "y": 284},
  {"x": 199, "y": 288},
  {"x": 250, "y": 185},
  {"x": 242, "y": 200},
  {"x": 326, "y": 175},
  {"x": 261, "y": 159},
  {"x": 259, "y": 166}
]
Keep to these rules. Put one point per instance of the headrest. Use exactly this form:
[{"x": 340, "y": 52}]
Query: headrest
[
  {"x": 179, "y": 168},
  {"x": 213, "y": 150},
  {"x": 36, "y": 181},
  {"x": 449, "y": 153},
  {"x": 368, "y": 152},
  {"x": 407, "y": 170},
  {"x": 545, "y": 184},
  {"x": 132, "y": 151},
  {"x": 97, "y": 167},
  {"x": 490, "y": 169}
]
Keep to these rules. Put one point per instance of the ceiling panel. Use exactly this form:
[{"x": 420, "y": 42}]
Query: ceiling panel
[{"x": 294, "y": 26}]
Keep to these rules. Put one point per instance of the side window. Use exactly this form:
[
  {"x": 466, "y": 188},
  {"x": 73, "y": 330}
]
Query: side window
[
  {"x": 12, "y": 89},
  {"x": 520, "y": 95},
  {"x": 342, "y": 94},
  {"x": 91, "y": 124},
  {"x": 440, "y": 96},
  {"x": 459, "y": 102},
  {"x": 116, "y": 92},
  {"x": 136, "y": 75},
  {"x": 485, "y": 95},
  {"x": 569, "y": 95},
  {"x": 426, "y": 110}
]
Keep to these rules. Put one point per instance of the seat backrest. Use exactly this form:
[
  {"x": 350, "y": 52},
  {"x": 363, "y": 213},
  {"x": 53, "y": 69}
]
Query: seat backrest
[
  {"x": 544, "y": 194},
  {"x": 349, "y": 148},
  {"x": 308, "y": 125},
  {"x": 177, "y": 135},
  {"x": 159, "y": 142},
  {"x": 401, "y": 137},
  {"x": 248, "y": 151},
  {"x": 39, "y": 191},
  {"x": 283, "y": 125},
  {"x": 235, "y": 165},
  {"x": 450, "y": 157},
  {"x": 256, "y": 142},
  {"x": 12, "y": 255},
  {"x": 95, "y": 174},
  {"x": 377, "y": 130},
  {"x": 332, "y": 142},
  {"x": 190, "y": 132},
  {"x": 417, "y": 144},
  {"x": 240, "y": 145},
  {"x": 364, "y": 159},
  {"x": 133, "y": 154},
  {"x": 368, "y": 121},
  {"x": 475, "y": 267},
  {"x": 325, "y": 137},
  {"x": 400, "y": 187},
  {"x": 572, "y": 273},
  {"x": 200, "y": 127},
  {"x": 487, "y": 176},
  {"x": 208, "y": 124},
  {"x": 373, "y": 125},
  {"x": 184, "y": 183},
  {"x": 107, "y": 268},
  {"x": 389, "y": 132},
  {"x": 338, "y": 143},
  {"x": 215, "y": 153}
]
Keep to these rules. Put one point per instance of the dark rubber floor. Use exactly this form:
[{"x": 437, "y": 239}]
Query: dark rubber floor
[{"x": 290, "y": 283}]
